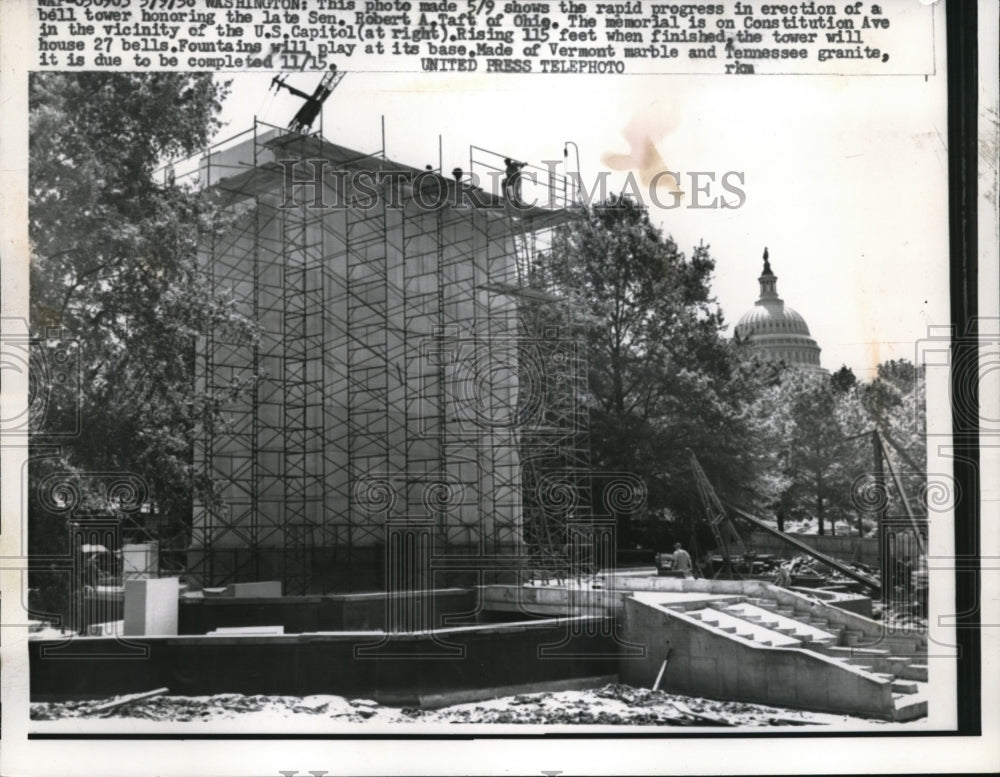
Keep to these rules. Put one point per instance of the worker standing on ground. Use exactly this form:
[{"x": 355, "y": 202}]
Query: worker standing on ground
[
  {"x": 682, "y": 561},
  {"x": 512, "y": 181}
]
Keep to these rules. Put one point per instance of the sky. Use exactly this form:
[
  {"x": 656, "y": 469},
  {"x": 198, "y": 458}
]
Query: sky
[{"x": 845, "y": 177}]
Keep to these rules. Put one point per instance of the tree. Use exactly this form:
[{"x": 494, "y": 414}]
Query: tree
[
  {"x": 114, "y": 268},
  {"x": 818, "y": 431},
  {"x": 843, "y": 380},
  {"x": 895, "y": 404},
  {"x": 661, "y": 378},
  {"x": 818, "y": 460}
]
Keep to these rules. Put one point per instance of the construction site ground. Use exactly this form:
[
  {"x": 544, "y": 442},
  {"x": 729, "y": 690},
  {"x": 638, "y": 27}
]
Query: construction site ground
[{"x": 611, "y": 705}]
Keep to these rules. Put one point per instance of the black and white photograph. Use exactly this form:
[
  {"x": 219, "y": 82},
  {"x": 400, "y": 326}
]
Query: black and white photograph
[{"x": 398, "y": 375}]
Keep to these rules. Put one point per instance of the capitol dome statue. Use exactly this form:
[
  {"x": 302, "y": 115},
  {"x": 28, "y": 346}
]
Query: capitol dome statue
[{"x": 775, "y": 330}]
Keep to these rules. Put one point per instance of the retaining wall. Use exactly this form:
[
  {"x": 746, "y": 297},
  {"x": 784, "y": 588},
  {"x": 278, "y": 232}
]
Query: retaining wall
[
  {"x": 396, "y": 669},
  {"x": 333, "y": 612}
]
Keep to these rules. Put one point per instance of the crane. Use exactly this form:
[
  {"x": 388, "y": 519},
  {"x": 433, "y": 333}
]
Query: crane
[
  {"x": 728, "y": 537},
  {"x": 307, "y": 114}
]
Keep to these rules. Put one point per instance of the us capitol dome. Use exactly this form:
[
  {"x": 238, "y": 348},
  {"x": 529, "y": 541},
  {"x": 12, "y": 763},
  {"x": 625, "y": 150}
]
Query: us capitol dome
[{"x": 775, "y": 330}]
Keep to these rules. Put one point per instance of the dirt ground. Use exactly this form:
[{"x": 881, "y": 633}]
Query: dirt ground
[{"x": 612, "y": 705}]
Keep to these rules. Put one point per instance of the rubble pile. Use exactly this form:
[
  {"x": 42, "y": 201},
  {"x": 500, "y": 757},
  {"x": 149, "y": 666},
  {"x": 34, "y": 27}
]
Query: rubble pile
[
  {"x": 610, "y": 705},
  {"x": 809, "y": 567}
]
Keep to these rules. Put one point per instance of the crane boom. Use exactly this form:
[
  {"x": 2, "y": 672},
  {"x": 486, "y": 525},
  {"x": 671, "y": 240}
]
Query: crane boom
[
  {"x": 807, "y": 549},
  {"x": 726, "y": 537},
  {"x": 307, "y": 114}
]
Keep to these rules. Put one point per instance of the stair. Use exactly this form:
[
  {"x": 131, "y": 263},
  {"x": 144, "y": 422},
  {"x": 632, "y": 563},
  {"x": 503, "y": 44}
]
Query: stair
[
  {"x": 734, "y": 624},
  {"x": 905, "y": 686},
  {"x": 783, "y": 624},
  {"x": 914, "y": 672},
  {"x": 894, "y": 662},
  {"x": 909, "y": 706}
]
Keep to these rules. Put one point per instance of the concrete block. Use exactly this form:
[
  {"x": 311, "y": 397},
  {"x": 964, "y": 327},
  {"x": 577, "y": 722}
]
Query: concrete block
[
  {"x": 106, "y": 629},
  {"x": 244, "y": 631},
  {"x": 140, "y": 561},
  {"x": 151, "y": 607},
  {"x": 266, "y": 588}
]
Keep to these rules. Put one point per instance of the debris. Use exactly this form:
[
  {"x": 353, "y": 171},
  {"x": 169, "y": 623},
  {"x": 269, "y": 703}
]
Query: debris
[
  {"x": 615, "y": 704},
  {"x": 685, "y": 710},
  {"x": 313, "y": 704},
  {"x": 121, "y": 701}
]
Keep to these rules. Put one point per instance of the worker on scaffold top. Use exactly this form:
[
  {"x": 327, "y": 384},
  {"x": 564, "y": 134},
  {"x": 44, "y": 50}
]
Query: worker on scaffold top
[
  {"x": 512, "y": 181},
  {"x": 682, "y": 561}
]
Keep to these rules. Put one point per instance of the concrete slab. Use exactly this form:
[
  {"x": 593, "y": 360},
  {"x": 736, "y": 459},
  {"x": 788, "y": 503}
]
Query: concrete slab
[
  {"x": 247, "y": 630},
  {"x": 151, "y": 607},
  {"x": 105, "y": 629},
  {"x": 264, "y": 588},
  {"x": 685, "y": 598},
  {"x": 434, "y": 700},
  {"x": 910, "y": 707}
]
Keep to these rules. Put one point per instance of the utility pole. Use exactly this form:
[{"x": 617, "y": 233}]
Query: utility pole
[{"x": 882, "y": 506}]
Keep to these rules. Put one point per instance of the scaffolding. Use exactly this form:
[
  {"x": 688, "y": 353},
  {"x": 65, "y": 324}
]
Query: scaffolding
[
  {"x": 557, "y": 480},
  {"x": 395, "y": 407}
]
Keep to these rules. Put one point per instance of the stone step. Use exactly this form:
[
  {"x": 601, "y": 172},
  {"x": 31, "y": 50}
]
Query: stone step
[
  {"x": 889, "y": 664},
  {"x": 813, "y": 641},
  {"x": 914, "y": 672},
  {"x": 732, "y": 622},
  {"x": 849, "y": 652},
  {"x": 905, "y": 686},
  {"x": 780, "y": 624},
  {"x": 894, "y": 644},
  {"x": 909, "y": 707},
  {"x": 770, "y": 623}
]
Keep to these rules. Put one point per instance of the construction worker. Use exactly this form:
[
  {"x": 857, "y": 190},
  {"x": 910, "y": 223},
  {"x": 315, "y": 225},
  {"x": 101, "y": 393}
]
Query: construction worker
[
  {"x": 512, "y": 181},
  {"x": 682, "y": 561}
]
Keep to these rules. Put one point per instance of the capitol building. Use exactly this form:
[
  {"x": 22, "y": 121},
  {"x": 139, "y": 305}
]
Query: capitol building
[{"x": 775, "y": 330}]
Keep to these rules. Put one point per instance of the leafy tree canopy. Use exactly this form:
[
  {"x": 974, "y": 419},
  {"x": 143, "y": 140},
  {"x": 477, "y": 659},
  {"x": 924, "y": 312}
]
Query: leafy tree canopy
[
  {"x": 661, "y": 377},
  {"x": 114, "y": 269}
]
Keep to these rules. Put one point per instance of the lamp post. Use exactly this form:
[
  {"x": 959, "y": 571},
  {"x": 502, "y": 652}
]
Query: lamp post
[{"x": 576, "y": 148}]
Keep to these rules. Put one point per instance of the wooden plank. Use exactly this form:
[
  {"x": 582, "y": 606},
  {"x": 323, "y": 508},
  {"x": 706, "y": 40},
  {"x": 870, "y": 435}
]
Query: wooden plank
[
  {"x": 685, "y": 710},
  {"x": 121, "y": 701}
]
